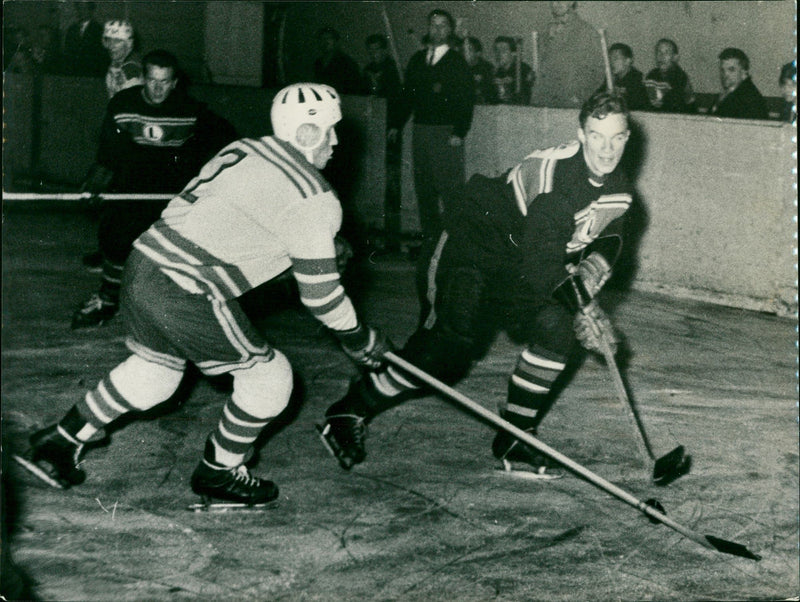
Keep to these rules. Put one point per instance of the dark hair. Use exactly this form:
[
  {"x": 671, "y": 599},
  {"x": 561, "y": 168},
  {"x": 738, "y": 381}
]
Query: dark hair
[
  {"x": 623, "y": 48},
  {"x": 602, "y": 104},
  {"x": 788, "y": 72},
  {"x": 376, "y": 38},
  {"x": 475, "y": 43},
  {"x": 512, "y": 44},
  {"x": 161, "y": 58},
  {"x": 438, "y": 12},
  {"x": 328, "y": 31},
  {"x": 735, "y": 53},
  {"x": 670, "y": 42}
]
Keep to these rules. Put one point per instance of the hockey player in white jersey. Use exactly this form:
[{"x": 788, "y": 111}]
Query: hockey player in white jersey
[{"x": 260, "y": 207}]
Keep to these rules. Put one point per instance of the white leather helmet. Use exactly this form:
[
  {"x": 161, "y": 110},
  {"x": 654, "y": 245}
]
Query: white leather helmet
[
  {"x": 316, "y": 105},
  {"x": 118, "y": 30}
]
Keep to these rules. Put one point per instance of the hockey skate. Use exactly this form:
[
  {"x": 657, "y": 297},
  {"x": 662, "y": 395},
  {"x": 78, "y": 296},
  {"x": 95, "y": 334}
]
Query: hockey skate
[
  {"x": 520, "y": 460},
  {"x": 54, "y": 457},
  {"x": 222, "y": 488},
  {"x": 343, "y": 435},
  {"x": 96, "y": 311}
]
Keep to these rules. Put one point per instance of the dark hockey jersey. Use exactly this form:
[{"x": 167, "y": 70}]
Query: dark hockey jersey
[
  {"x": 539, "y": 216},
  {"x": 158, "y": 148}
]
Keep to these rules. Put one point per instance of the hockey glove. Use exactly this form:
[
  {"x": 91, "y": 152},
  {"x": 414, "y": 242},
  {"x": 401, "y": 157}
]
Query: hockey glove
[
  {"x": 592, "y": 326},
  {"x": 594, "y": 271},
  {"x": 364, "y": 345}
]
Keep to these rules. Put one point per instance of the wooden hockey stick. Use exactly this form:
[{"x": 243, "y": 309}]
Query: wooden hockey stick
[
  {"x": 648, "y": 508},
  {"x": 606, "y": 62},
  {"x": 84, "y": 196}
]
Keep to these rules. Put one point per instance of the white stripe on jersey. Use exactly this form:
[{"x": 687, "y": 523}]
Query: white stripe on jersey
[{"x": 520, "y": 175}]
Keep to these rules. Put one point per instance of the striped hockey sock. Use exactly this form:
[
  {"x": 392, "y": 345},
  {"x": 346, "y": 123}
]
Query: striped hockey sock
[
  {"x": 529, "y": 386},
  {"x": 234, "y": 436}
]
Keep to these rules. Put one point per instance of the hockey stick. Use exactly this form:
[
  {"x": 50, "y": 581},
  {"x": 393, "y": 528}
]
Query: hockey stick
[
  {"x": 606, "y": 63},
  {"x": 668, "y": 467},
  {"x": 84, "y": 196},
  {"x": 707, "y": 541}
]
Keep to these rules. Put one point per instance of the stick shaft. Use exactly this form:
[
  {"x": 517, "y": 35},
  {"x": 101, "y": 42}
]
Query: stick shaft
[
  {"x": 642, "y": 441},
  {"x": 606, "y": 62},
  {"x": 83, "y": 196},
  {"x": 535, "y": 51},
  {"x": 392, "y": 46},
  {"x": 529, "y": 439}
]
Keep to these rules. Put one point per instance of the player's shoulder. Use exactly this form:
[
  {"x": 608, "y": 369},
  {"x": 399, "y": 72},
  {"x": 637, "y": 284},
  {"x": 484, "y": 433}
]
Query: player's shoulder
[
  {"x": 285, "y": 164},
  {"x": 126, "y": 98},
  {"x": 552, "y": 154}
]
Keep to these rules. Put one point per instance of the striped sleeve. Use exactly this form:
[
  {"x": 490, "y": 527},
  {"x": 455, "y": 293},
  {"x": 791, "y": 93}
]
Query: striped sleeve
[
  {"x": 534, "y": 175},
  {"x": 321, "y": 291}
]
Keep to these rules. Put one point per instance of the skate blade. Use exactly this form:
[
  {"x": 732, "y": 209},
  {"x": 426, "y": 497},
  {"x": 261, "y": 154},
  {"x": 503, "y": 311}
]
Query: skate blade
[
  {"x": 230, "y": 507},
  {"x": 37, "y": 471},
  {"x": 508, "y": 470}
]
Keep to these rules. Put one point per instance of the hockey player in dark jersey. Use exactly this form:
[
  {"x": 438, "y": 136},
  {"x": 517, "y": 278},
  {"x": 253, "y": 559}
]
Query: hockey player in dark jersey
[
  {"x": 256, "y": 210},
  {"x": 154, "y": 139},
  {"x": 527, "y": 251}
]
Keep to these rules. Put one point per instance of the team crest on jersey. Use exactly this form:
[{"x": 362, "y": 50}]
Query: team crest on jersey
[
  {"x": 153, "y": 132},
  {"x": 592, "y": 220}
]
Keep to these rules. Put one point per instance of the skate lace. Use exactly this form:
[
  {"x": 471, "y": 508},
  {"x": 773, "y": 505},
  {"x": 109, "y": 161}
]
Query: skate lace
[
  {"x": 359, "y": 432},
  {"x": 94, "y": 303},
  {"x": 242, "y": 475}
]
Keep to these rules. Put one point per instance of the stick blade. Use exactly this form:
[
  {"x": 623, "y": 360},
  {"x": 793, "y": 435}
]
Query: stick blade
[
  {"x": 671, "y": 466},
  {"x": 730, "y": 547}
]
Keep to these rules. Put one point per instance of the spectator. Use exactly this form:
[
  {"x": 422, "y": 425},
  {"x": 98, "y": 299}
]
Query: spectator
[
  {"x": 788, "y": 83},
  {"x": 83, "y": 44},
  {"x": 153, "y": 140},
  {"x": 335, "y": 68},
  {"x": 381, "y": 73},
  {"x": 438, "y": 92},
  {"x": 512, "y": 80},
  {"x": 571, "y": 62},
  {"x": 739, "y": 98},
  {"x": 628, "y": 80},
  {"x": 125, "y": 70},
  {"x": 668, "y": 86},
  {"x": 482, "y": 70}
]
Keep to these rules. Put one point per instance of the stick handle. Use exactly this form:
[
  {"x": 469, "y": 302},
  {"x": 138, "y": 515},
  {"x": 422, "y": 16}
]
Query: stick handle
[
  {"x": 529, "y": 439},
  {"x": 606, "y": 62},
  {"x": 84, "y": 196}
]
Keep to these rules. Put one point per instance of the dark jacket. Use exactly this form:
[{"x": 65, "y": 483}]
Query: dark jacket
[
  {"x": 631, "y": 88},
  {"x": 745, "y": 102},
  {"x": 440, "y": 94}
]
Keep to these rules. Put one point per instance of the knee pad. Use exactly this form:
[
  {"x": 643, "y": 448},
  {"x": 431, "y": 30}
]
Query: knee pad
[
  {"x": 145, "y": 384},
  {"x": 263, "y": 390}
]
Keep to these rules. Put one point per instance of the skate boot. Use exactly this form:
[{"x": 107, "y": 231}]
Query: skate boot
[
  {"x": 343, "y": 435},
  {"x": 523, "y": 460},
  {"x": 235, "y": 485},
  {"x": 94, "y": 312},
  {"x": 54, "y": 458}
]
